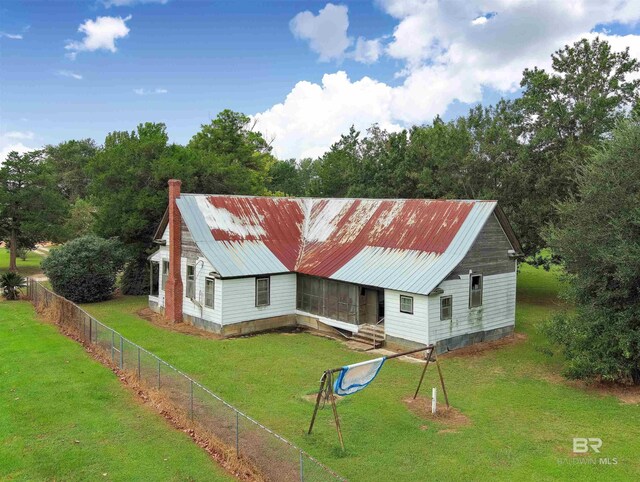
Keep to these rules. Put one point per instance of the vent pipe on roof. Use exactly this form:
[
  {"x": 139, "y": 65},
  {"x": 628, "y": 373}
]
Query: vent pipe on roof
[{"x": 173, "y": 288}]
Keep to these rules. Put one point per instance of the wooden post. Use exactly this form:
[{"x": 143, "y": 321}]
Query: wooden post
[
  {"x": 423, "y": 372},
  {"x": 444, "y": 390},
  {"x": 315, "y": 410},
  {"x": 335, "y": 410}
]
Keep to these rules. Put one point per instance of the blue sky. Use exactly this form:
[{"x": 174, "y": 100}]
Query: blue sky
[{"x": 305, "y": 70}]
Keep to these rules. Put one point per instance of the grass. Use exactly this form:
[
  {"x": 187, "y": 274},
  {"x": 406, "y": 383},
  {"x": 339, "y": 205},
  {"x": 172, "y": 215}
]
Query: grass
[
  {"x": 28, "y": 267},
  {"x": 523, "y": 416},
  {"x": 63, "y": 416}
]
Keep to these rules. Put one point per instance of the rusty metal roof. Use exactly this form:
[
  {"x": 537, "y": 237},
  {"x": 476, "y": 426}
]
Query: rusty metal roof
[{"x": 406, "y": 244}]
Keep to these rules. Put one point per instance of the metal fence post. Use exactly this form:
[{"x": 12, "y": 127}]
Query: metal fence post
[
  {"x": 139, "y": 377},
  {"x": 301, "y": 467},
  {"x": 90, "y": 332},
  {"x": 113, "y": 336},
  {"x": 191, "y": 399},
  {"x": 121, "y": 353},
  {"x": 237, "y": 435}
]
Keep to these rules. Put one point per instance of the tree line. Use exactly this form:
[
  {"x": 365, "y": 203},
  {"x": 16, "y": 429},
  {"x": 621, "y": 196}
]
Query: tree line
[{"x": 531, "y": 154}]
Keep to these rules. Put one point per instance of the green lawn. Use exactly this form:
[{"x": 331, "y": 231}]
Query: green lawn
[
  {"x": 523, "y": 417},
  {"x": 25, "y": 268},
  {"x": 63, "y": 416}
]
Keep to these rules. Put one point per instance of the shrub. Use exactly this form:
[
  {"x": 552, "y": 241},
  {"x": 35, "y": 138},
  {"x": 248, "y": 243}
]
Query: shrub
[
  {"x": 84, "y": 269},
  {"x": 11, "y": 283}
]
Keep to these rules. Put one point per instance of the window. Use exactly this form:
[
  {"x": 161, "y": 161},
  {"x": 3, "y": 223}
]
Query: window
[
  {"x": 446, "y": 307},
  {"x": 165, "y": 272},
  {"x": 475, "y": 291},
  {"x": 191, "y": 281},
  {"x": 262, "y": 291},
  {"x": 154, "y": 281},
  {"x": 209, "y": 290},
  {"x": 406, "y": 304}
]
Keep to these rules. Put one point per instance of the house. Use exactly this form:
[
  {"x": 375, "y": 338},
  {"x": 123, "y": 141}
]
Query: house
[{"x": 412, "y": 272}]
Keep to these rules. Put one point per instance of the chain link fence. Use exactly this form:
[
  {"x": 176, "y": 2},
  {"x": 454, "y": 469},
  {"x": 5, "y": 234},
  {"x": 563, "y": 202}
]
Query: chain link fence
[{"x": 267, "y": 455}]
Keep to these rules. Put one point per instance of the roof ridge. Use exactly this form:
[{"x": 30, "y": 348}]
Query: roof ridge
[{"x": 312, "y": 198}]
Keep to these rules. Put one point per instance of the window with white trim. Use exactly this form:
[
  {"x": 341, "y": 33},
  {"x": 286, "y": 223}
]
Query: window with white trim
[
  {"x": 475, "y": 290},
  {"x": 263, "y": 291},
  {"x": 209, "y": 292},
  {"x": 154, "y": 281},
  {"x": 191, "y": 281},
  {"x": 406, "y": 304},
  {"x": 446, "y": 308},
  {"x": 165, "y": 272}
]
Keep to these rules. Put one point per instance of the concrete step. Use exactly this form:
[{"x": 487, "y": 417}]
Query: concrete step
[
  {"x": 378, "y": 330},
  {"x": 368, "y": 338}
]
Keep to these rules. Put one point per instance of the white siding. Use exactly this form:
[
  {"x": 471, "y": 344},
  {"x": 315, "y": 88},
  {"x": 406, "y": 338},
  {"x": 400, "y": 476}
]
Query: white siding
[
  {"x": 240, "y": 302},
  {"x": 403, "y": 325},
  {"x": 497, "y": 310},
  {"x": 197, "y": 308}
]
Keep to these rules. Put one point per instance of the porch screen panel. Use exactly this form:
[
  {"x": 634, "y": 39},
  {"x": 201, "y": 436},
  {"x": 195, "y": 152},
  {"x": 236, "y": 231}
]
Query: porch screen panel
[{"x": 328, "y": 298}]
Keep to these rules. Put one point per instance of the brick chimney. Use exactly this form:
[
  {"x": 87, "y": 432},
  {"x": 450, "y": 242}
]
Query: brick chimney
[{"x": 173, "y": 288}]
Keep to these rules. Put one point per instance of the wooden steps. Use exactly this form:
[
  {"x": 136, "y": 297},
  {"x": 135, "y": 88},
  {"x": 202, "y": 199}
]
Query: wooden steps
[{"x": 372, "y": 335}]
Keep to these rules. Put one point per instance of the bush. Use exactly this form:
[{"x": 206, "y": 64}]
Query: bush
[
  {"x": 11, "y": 284},
  {"x": 84, "y": 270}
]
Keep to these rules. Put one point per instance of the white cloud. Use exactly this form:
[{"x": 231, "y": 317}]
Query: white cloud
[
  {"x": 12, "y": 36},
  {"x": 19, "y": 135},
  {"x": 128, "y": 3},
  {"x": 444, "y": 57},
  {"x": 367, "y": 51},
  {"x": 68, "y": 73},
  {"x": 150, "y": 91},
  {"x": 325, "y": 32},
  {"x": 313, "y": 116},
  {"x": 13, "y": 141},
  {"x": 479, "y": 21},
  {"x": 100, "y": 34}
]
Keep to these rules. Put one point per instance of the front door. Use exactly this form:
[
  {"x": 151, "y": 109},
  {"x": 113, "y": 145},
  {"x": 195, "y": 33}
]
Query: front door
[{"x": 371, "y": 306}]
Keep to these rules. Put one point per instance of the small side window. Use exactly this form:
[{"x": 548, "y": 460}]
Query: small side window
[
  {"x": 263, "y": 291},
  {"x": 406, "y": 304},
  {"x": 475, "y": 291},
  {"x": 154, "y": 281},
  {"x": 165, "y": 272},
  {"x": 209, "y": 291},
  {"x": 191, "y": 281},
  {"x": 446, "y": 307}
]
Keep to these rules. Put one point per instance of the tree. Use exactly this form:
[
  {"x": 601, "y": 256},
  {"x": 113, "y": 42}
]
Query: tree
[
  {"x": 335, "y": 169},
  {"x": 129, "y": 187},
  {"x": 69, "y": 162},
  {"x": 229, "y": 157},
  {"x": 284, "y": 178},
  {"x": 598, "y": 237},
  {"x": 129, "y": 198},
  {"x": 81, "y": 219},
  {"x": 31, "y": 206},
  {"x": 564, "y": 113},
  {"x": 84, "y": 270}
]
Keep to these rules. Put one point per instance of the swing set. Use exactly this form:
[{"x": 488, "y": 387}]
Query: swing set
[{"x": 327, "y": 385}]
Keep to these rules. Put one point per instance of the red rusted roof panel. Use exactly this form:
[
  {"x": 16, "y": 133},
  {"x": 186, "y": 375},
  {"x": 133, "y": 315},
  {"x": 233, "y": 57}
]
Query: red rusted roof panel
[
  {"x": 277, "y": 222},
  {"x": 339, "y": 229}
]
